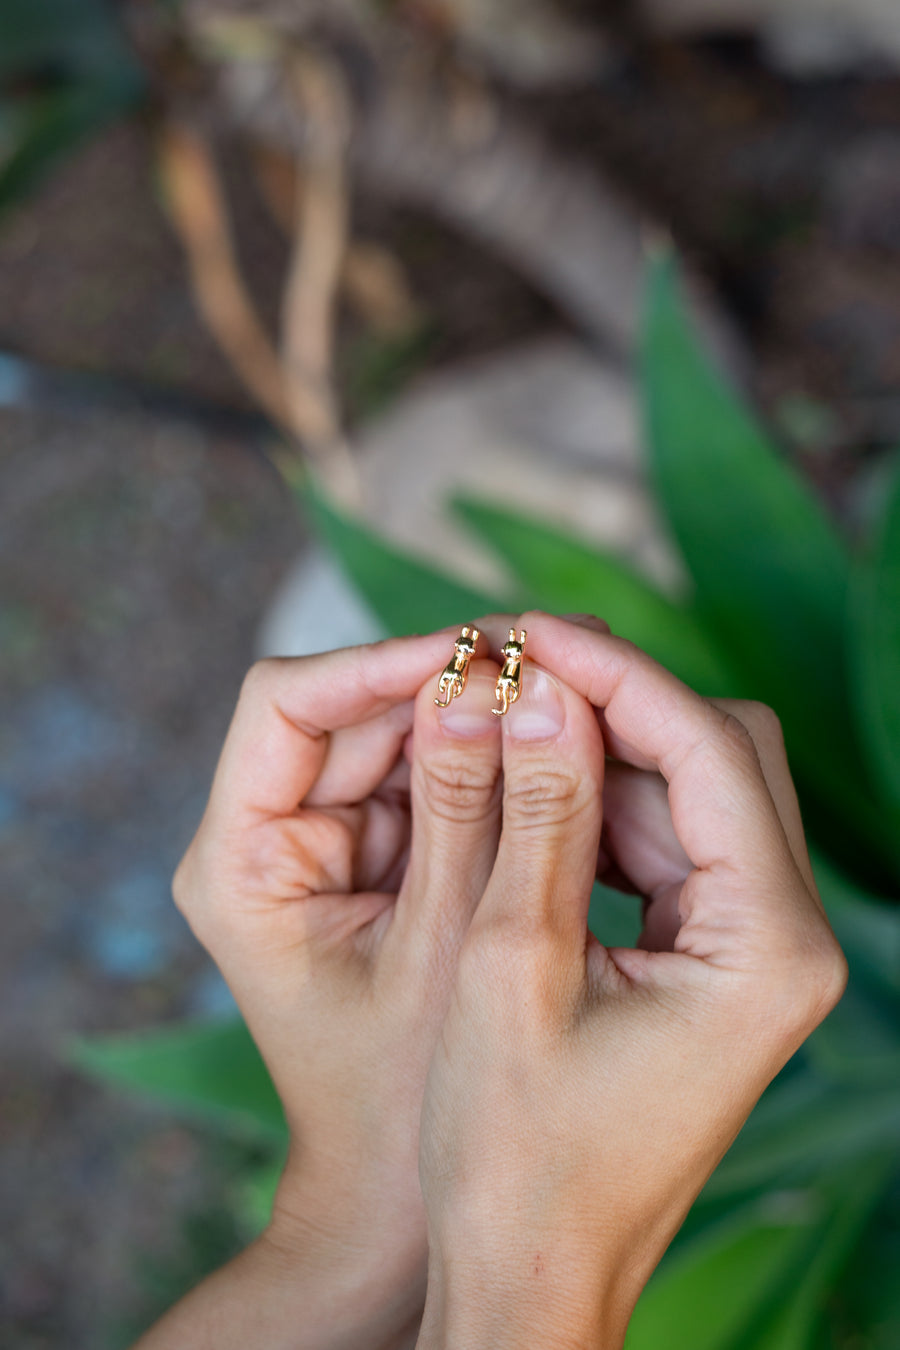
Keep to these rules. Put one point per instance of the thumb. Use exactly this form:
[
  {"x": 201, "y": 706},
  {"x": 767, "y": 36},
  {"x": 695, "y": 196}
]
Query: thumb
[
  {"x": 455, "y": 806},
  {"x": 553, "y": 760}
]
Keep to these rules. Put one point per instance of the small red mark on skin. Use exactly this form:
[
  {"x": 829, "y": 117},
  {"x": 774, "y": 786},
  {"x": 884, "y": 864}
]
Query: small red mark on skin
[{"x": 538, "y": 1264}]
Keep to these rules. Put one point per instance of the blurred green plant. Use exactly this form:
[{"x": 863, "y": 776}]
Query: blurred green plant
[
  {"x": 377, "y": 366},
  {"x": 794, "y": 1244},
  {"x": 65, "y": 73}
]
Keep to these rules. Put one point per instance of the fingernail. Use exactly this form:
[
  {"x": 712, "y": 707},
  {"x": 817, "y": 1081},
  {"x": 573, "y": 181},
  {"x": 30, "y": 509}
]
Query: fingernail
[
  {"x": 470, "y": 715},
  {"x": 539, "y": 712}
]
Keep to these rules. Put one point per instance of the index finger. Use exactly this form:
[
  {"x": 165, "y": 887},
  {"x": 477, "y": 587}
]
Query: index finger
[
  {"x": 278, "y": 736},
  {"x": 718, "y": 798}
]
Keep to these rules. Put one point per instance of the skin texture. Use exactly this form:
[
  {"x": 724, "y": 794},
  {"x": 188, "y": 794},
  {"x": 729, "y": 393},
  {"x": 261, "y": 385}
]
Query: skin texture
[
  {"x": 580, "y": 1096},
  {"x": 337, "y": 925},
  {"x": 398, "y": 894}
]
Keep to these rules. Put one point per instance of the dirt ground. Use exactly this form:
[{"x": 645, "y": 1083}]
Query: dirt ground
[{"x": 136, "y": 550}]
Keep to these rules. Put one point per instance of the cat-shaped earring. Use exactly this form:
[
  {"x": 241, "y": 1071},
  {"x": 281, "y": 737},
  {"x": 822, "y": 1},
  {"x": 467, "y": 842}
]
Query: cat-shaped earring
[
  {"x": 509, "y": 681},
  {"x": 456, "y": 672}
]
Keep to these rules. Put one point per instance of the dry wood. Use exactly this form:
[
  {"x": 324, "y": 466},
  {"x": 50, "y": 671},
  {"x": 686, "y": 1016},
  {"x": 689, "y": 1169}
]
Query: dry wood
[
  {"x": 320, "y": 241},
  {"x": 373, "y": 279},
  {"x": 199, "y": 214}
]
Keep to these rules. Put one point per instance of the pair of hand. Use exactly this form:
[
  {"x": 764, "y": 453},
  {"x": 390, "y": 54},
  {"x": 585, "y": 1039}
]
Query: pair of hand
[{"x": 492, "y": 1115}]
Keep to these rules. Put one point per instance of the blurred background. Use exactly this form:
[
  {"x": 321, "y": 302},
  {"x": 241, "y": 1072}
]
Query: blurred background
[{"x": 403, "y": 243}]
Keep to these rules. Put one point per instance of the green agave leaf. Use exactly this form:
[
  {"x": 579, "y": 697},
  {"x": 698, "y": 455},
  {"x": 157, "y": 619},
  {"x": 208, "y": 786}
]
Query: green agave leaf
[
  {"x": 49, "y": 126},
  {"x": 859, "y": 1042},
  {"x": 563, "y": 575},
  {"x": 708, "y": 1293},
  {"x": 213, "y": 1070},
  {"x": 758, "y": 1279},
  {"x": 68, "y": 35},
  {"x": 875, "y": 653},
  {"x": 377, "y": 367},
  {"x": 795, "y": 1322},
  {"x": 866, "y": 1299},
  {"x": 407, "y": 595},
  {"x": 771, "y": 573},
  {"x": 804, "y": 1126},
  {"x": 255, "y": 1193},
  {"x": 79, "y": 72},
  {"x": 867, "y": 927},
  {"x": 614, "y": 917}
]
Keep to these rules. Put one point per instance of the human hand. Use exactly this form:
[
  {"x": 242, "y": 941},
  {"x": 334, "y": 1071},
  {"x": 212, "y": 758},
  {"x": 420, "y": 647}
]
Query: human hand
[
  {"x": 337, "y": 926},
  {"x": 580, "y": 1097}
]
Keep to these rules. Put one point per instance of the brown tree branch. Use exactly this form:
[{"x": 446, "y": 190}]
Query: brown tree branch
[
  {"x": 317, "y": 260},
  {"x": 199, "y": 215}
]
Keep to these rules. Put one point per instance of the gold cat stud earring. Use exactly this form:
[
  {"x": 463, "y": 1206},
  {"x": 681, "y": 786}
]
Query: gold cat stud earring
[
  {"x": 456, "y": 672},
  {"x": 509, "y": 681}
]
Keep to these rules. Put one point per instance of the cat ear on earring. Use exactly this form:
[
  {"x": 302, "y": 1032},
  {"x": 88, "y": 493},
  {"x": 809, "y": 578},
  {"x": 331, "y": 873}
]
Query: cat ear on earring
[
  {"x": 509, "y": 681},
  {"x": 455, "y": 674}
]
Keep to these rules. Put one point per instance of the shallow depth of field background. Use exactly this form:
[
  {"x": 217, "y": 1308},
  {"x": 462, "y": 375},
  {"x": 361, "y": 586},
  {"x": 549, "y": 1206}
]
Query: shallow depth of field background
[{"x": 143, "y": 530}]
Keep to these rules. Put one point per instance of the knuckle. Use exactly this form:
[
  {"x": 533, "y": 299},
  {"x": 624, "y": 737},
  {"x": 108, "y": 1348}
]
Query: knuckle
[
  {"x": 735, "y": 742},
  {"x": 761, "y": 721},
  {"x": 628, "y": 652},
  {"x": 260, "y": 677},
  {"x": 812, "y": 984},
  {"x": 828, "y": 978},
  {"x": 181, "y": 891},
  {"x": 187, "y": 895},
  {"x": 289, "y": 859},
  {"x": 735, "y": 733},
  {"x": 196, "y": 880},
  {"x": 628, "y": 648},
  {"x": 460, "y": 790}
]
